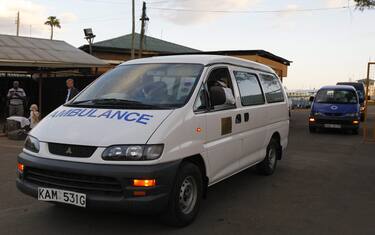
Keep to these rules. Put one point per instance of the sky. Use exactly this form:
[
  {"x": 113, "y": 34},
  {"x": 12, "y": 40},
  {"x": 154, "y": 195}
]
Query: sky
[{"x": 326, "y": 46}]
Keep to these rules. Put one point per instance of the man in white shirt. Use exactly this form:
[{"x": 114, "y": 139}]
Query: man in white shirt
[{"x": 16, "y": 97}]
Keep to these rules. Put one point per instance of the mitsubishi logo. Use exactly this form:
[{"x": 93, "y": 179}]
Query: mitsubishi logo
[
  {"x": 334, "y": 107},
  {"x": 69, "y": 151}
]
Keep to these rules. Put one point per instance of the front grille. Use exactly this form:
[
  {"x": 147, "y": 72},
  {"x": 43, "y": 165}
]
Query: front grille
[
  {"x": 333, "y": 114},
  {"x": 75, "y": 182},
  {"x": 332, "y": 121},
  {"x": 71, "y": 150}
]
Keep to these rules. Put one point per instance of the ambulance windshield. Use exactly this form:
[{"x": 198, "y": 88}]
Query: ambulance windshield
[{"x": 142, "y": 86}]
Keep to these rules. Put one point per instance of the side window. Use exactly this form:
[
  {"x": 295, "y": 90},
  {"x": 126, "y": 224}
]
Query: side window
[
  {"x": 250, "y": 91},
  {"x": 201, "y": 101},
  {"x": 220, "y": 89},
  {"x": 272, "y": 88}
]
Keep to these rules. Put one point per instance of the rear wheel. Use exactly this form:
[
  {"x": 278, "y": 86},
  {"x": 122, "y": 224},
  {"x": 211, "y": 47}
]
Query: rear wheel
[
  {"x": 185, "y": 197},
  {"x": 268, "y": 165}
]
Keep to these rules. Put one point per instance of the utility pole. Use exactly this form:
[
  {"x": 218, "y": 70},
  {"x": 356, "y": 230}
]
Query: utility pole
[
  {"x": 144, "y": 18},
  {"x": 18, "y": 23},
  {"x": 133, "y": 31}
]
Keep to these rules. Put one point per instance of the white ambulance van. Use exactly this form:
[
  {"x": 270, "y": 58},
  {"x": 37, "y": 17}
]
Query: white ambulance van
[{"x": 153, "y": 134}]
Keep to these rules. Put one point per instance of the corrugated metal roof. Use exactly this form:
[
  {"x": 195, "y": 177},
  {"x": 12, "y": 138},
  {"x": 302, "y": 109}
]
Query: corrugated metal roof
[
  {"x": 35, "y": 52},
  {"x": 151, "y": 44}
]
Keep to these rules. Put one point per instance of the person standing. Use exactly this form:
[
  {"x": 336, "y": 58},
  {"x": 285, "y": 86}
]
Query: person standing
[
  {"x": 72, "y": 91},
  {"x": 34, "y": 115},
  {"x": 16, "y": 97}
]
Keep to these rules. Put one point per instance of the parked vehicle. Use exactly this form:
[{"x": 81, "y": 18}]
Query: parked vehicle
[
  {"x": 360, "y": 88},
  {"x": 153, "y": 134},
  {"x": 335, "y": 107}
]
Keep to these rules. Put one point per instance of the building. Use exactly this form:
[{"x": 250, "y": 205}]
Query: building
[
  {"x": 371, "y": 88},
  {"x": 117, "y": 50},
  {"x": 300, "y": 98},
  {"x": 278, "y": 64},
  {"x": 42, "y": 66}
]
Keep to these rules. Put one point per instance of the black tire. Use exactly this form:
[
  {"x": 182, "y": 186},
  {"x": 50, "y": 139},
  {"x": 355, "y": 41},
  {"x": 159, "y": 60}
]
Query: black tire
[
  {"x": 177, "y": 214},
  {"x": 362, "y": 118},
  {"x": 312, "y": 129},
  {"x": 268, "y": 165},
  {"x": 355, "y": 131}
]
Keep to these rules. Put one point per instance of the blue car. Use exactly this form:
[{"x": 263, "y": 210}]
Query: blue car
[{"x": 335, "y": 107}]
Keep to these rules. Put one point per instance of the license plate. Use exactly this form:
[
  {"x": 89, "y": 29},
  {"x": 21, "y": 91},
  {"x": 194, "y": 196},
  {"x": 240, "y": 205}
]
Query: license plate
[
  {"x": 63, "y": 196},
  {"x": 337, "y": 126}
]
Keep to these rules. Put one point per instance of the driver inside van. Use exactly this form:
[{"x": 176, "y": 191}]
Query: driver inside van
[
  {"x": 221, "y": 86},
  {"x": 223, "y": 83}
]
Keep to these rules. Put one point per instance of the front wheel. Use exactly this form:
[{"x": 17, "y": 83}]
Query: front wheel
[
  {"x": 312, "y": 129},
  {"x": 268, "y": 165},
  {"x": 185, "y": 197},
  {"x": 355, "y": 131}
]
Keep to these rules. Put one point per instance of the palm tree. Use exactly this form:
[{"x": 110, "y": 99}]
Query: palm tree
[{"x": 53, "y": 22}]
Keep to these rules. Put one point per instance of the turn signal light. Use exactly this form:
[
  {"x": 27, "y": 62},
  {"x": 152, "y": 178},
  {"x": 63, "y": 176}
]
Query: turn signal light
[
  {"x": 144, "y": 183},
  {"x": 311, "y": 119},
  {"x": 139, "y": 193},
  {"x": 20, "y": 167}
]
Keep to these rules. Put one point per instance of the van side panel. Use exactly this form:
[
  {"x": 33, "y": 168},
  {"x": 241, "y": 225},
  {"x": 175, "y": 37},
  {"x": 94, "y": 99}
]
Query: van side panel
[{"x": 183, "y": 135}]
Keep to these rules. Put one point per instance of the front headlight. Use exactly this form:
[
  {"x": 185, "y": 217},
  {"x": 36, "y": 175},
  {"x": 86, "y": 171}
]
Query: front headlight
[
  {"x": 318, "y": 114},
  {"x": 32, "y": 144},
  {"x": 133, "y": 152},
  {"x": 362, "y": 109}
]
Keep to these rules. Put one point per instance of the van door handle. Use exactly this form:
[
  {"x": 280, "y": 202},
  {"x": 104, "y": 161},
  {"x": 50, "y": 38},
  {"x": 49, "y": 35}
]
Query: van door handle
[
  {"x": 246, "y": 117},
  {"x": 238, "y": 118}
]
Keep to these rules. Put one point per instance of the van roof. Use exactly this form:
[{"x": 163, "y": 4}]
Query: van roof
[
  {"x": 338, "y": 87},
  {"x": 356, "y": 85},
  {"x": 202, "y": 59}
]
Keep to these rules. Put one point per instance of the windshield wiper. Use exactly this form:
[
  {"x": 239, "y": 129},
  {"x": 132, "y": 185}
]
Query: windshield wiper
[
  {"x": 117, "y": 102},
  {"x": 79, "y": 102},
  {"x": 113, "y": 101}
]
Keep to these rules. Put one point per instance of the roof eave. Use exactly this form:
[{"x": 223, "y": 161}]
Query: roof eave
[{"x": 9, "y": 63}]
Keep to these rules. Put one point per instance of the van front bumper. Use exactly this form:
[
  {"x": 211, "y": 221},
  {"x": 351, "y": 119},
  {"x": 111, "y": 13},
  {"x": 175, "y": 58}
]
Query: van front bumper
[
  {"x": 344, "y": 122},
  {"x": 105, "y": 186}
]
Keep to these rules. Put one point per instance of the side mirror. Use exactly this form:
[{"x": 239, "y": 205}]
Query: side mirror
[{"x": 311, "y": 98}]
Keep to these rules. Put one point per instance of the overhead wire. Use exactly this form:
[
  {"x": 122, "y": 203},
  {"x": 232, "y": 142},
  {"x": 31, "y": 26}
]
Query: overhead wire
[{"x": 249, "y": 11}]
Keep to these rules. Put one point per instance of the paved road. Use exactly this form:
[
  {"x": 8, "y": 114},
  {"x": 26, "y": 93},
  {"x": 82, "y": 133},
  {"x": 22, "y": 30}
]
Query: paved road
[{"x": 325, "y": 185}]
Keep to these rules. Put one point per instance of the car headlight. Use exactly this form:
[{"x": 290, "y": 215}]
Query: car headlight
[
  {"x": 32, "y": 144},
  {"x": 318, "y": 114},
  {"x": 351, "y": 114},
  {"x": 133, "y": 152},
  {"x": 362, "y": 109}
]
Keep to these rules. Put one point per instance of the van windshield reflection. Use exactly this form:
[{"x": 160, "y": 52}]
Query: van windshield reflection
[{"x": 159, "y": 86}]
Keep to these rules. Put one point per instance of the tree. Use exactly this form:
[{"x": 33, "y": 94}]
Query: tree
[
  {"x": 53, "y": 22},
  {"x": 363, "y": 4}
]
